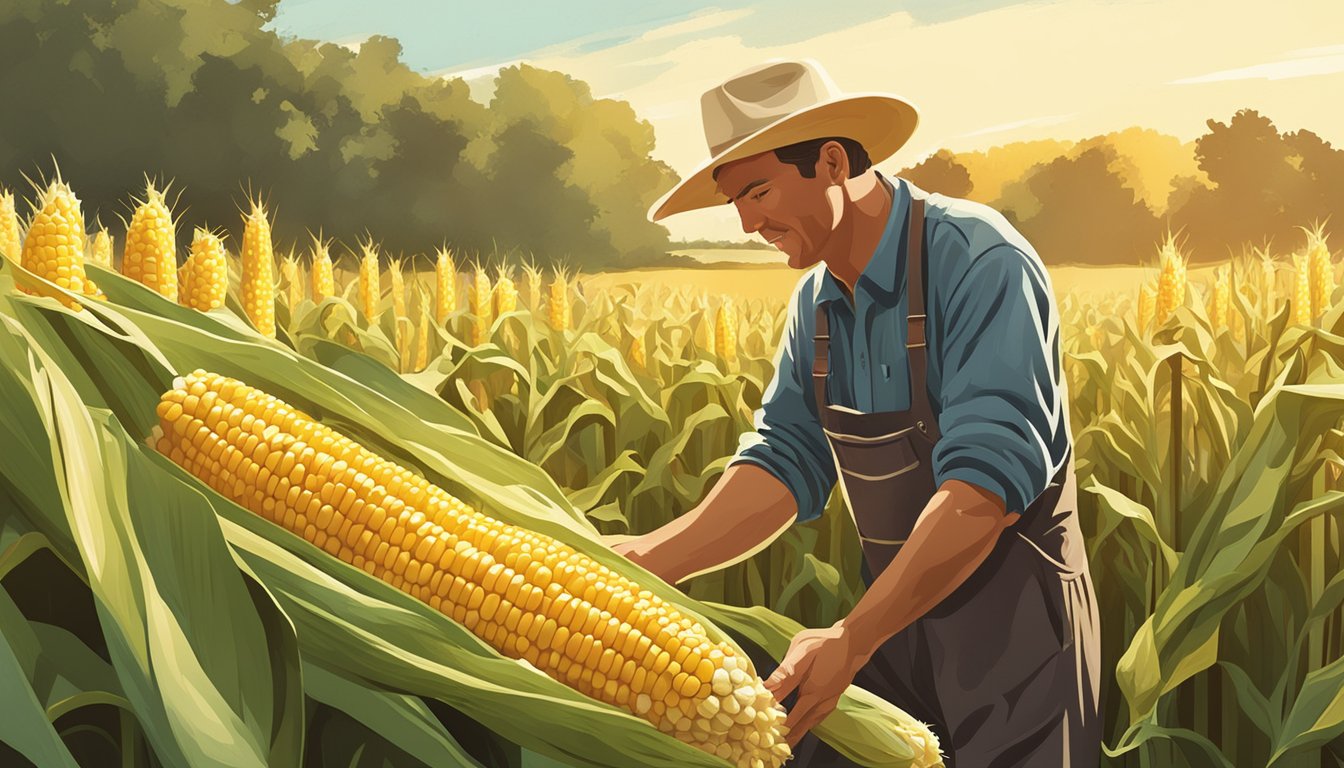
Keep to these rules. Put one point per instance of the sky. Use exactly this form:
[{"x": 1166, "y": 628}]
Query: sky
[{"x": 981, "y": 72}]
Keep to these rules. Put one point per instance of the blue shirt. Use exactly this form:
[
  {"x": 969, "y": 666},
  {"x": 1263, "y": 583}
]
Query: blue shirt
[{"x": 993, "y": 358}]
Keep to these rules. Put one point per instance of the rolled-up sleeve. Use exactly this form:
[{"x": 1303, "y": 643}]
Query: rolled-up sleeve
[
  {"x": 1002, "y": 420},
  {"x": 788, "y": 441}
]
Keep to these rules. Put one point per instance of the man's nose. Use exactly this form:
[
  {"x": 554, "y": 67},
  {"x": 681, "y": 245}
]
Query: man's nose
[{"x": 751, "y": 222}]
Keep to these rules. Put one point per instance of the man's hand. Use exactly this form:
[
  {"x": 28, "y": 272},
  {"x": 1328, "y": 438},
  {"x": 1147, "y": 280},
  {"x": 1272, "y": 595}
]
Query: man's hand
[
  {"x": 620, "y": 543},
  {"x": 630, "y": 546},
  {"x": 820, "y": 663}
]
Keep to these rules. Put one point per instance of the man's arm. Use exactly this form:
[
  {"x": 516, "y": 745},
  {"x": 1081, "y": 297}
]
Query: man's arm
[
  {"x": 782, "y": 471},
  {"x": 744, "y": 512},
  {"x": 952, "y": 537}
]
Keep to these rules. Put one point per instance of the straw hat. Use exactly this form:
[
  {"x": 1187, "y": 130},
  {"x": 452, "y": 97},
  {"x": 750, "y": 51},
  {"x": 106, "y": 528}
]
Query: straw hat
[{"x": 779, "y": 103}]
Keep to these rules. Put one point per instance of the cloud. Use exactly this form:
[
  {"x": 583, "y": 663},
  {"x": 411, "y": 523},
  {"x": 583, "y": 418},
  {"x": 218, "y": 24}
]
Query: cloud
[
  {"x": 700, "y": 22},
  {"x": 1308, "y": 62}
]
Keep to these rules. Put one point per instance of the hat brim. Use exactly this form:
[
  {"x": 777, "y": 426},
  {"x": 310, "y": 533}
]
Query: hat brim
[{"x": 881, "y": 122}]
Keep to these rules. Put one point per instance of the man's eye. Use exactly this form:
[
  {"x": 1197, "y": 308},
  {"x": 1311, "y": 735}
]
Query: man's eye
[{"x": 759, "y": 195}]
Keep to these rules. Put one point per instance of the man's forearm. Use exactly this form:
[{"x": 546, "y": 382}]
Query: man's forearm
[
  {"x": 746, "y": 509},
  {"x": 955, "y": 533}
]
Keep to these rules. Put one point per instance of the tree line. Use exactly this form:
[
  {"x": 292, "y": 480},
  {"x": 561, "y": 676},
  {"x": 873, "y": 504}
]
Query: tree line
[
  {"x": 353, "y": 144},
  {"x": 1256, "y": 187}
]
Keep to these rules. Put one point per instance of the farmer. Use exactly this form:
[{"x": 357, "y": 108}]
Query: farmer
[{"x": 920, "y": 366}]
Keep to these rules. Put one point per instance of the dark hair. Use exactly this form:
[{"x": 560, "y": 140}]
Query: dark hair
[{"x": 804, "y": 156}]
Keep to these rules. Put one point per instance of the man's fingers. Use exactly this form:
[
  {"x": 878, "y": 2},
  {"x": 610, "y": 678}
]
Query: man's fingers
[
  {"x": 783, "y": 680},
  {"x": 799, "y": 714},
  {"x": 817, "y": 711}
]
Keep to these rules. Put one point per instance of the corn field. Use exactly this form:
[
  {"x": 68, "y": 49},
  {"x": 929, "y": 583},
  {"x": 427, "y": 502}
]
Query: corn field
[{"x": 1206, "y": 419}]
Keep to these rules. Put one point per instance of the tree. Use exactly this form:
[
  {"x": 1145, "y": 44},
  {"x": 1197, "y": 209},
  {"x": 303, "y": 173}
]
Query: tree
[
  {"x": 1265, "y": 185},
  {"x": 1087, "y": 214},
  {"x": 940, "y": 172},
  {"x": 197, "y": 91}
]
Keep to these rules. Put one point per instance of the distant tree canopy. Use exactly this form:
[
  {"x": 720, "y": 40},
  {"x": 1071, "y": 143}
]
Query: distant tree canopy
[
  {"x": 941, "y": 173},
  {"x": 1081, "y": 206},
  {"x": 1267, "y": 184},
  {"x": 350, "y": 143}
]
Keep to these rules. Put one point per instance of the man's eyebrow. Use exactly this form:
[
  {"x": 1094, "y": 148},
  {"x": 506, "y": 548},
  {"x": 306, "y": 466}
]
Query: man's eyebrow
[{"x": 748, "y": 188}]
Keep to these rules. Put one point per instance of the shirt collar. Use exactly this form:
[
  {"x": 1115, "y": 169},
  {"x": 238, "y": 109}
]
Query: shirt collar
[{"x": 884, "y": 269}]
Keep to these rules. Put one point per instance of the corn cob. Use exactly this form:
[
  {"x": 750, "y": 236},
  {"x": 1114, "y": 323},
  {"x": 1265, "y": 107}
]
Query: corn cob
[
  {"x": 558, "y": 305},
  {"x": 205, "y": 275},
  {"x": 402, "y": 326},
  {"x": 149, "y": 255},
  {"x": 370, "y": 290},
  {"x": 505, "y": 294},
  {"x": 289, "y": 269},
  {"x": 532, "y": 299},
  {"x": 725, "y": 332},
  {"x": 1147, "y": 308},
  {"x": 1171, "y": 282},
  {"x": 1302, "y": 295},
  {"x": 527, "y": 595},
  {"x": 11, "y": 242},
  {"x": 100, "y": 252},
  {"x": 258, "y": 275},
  {"x": 422, "y": 340},
  {"x": 1322, "y": 271},
  {"x": 398, "y": 288},
  {"x": 445, "y": 283},
  {"x": 53, "y": 246},
  {"x": 1222, "y": 299},
  {"x": 479, "y": 301},
  {"x": 324, "y": 280},
  {"x": 637, "y": 357}
]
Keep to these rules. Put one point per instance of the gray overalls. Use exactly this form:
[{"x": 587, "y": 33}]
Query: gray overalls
[{"x": 1006, "y": 668}]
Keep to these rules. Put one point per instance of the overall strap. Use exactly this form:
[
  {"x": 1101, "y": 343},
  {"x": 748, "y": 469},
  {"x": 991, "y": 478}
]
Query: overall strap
[
  {"x": 916, "y": 342},
  {"x": 915, "y": 287},
  {"x": 821, "y": 360}
]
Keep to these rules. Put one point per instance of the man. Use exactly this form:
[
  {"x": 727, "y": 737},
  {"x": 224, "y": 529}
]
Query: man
[{"x": 920, "y": 367}]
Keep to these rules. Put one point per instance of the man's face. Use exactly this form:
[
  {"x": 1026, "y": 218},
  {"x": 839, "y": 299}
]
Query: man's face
[{"x": 773, "y": 199}]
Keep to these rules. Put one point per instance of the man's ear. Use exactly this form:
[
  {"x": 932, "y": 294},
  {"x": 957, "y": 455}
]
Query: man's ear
[{"x": 833, "y": 162}]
